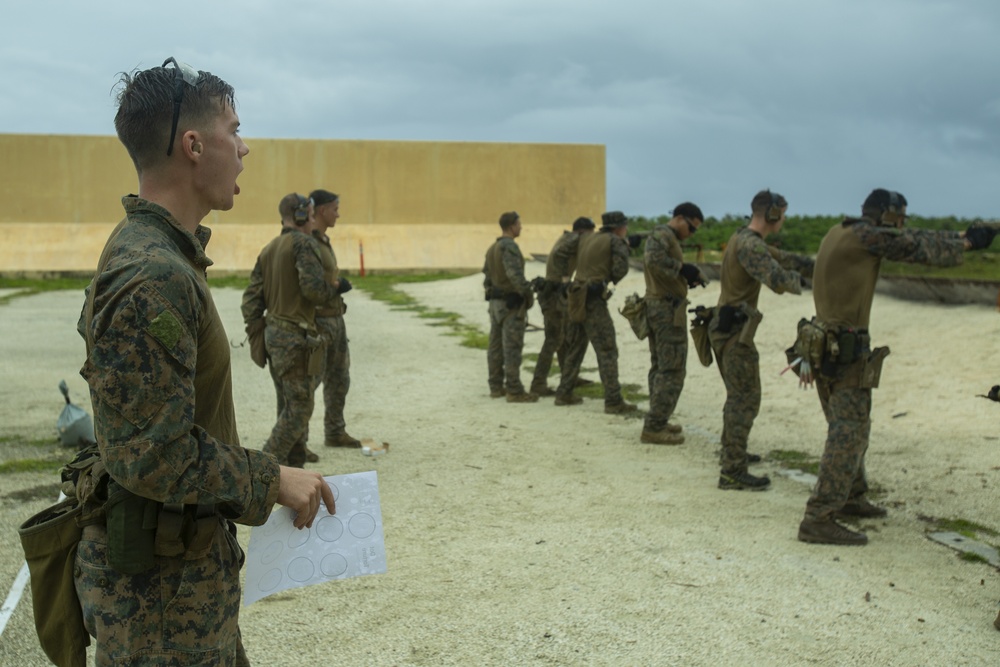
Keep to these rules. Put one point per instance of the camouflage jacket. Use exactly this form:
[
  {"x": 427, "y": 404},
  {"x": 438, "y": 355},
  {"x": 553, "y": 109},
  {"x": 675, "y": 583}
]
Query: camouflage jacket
[
  {"x": 159, "y": 374},
  {"x": 748, "y": 262},
  {"x": 849, "y": 259},
  {"x": 561, "y": 262},
  {"x": 288, "y": 281}
]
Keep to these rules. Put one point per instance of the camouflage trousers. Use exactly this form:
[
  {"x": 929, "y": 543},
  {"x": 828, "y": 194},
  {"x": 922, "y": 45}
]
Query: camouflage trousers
[
  {"x": 178, "y": 612},
  {"x": 842, "y": 468},
  {"x": 739, "y": 365},
  {"x": 336, "y": 374},
  {"x": 503, "y": 356},
  {"x": 599, "y": 330},
  {"x": 554, "y": 315},
  {"x": 668, "y": 348},
  {"x": 288, "y": 356}
]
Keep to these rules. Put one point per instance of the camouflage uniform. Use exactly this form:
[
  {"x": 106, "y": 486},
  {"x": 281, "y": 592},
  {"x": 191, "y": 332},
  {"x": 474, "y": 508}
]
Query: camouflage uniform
[
  {"x": 287, "y": 283},
  {"x": 337, "y": 362},
  {"x": 510, "y": 296},
  {"x": 602, "y": 258},
  {"x": 159, "y": 376},
  {"x": 847, "y": 268},
  {"x": 552, "y": 300},
  {"x": 747, "y": 263},
  {"x": 666, "y": 301}
]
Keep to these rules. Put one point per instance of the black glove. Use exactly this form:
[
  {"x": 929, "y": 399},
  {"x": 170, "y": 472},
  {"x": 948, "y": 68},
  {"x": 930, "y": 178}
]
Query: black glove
[
  {"x": 634, "y": 240},
  {"x": 537, "y": 284},
  {"x": 692, "y": 274},
  {"x": 980, "y": 237},
  {"x": 344, "y": 285}
]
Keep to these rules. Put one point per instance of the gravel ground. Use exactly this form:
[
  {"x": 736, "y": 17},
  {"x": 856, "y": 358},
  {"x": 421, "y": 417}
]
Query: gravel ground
[{"x": 540, "y": 535}]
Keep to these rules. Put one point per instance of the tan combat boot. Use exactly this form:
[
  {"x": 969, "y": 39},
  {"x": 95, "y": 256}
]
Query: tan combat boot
[
  {"x": 829, "y": 532},
  {"x": 542, "y": 390},
  {"x": 862, "y": 509},
  {"x": 311, "y": 456},
  {"x": 619, "y": 408},
  {"x": 664, "y": 437},
  {"x": 521, "y": 397},
  {"x": 674, "y": 428},
  {"x": 343, "y": 440},
  {"x": 498, "y": 393},
  {"x": 568, "y": 400}
]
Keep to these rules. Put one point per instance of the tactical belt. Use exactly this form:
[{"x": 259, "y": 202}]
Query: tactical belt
[
  {"x": 729, "y": 318},
  {"x": 328, "y": 312},
  {"x": 286, "y": 325}
]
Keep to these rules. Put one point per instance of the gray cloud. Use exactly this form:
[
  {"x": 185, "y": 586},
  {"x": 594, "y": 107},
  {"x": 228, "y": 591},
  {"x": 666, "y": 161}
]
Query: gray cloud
[{"x": 707, "y": 101}]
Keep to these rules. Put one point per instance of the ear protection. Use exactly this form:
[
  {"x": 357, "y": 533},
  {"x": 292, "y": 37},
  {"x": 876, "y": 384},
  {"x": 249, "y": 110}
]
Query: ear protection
[
  {"x": 196, "y": 147},
  {"x": 300, "y": 214},
  {"x": 773, "y": 212},
  {"x": 893, "y": 205},
  {"x": 892, "y": 213}
]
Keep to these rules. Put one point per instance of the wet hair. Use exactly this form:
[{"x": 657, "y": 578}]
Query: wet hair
[
  {"x": 146, "y": 107},
  {"x": 688, "y": 210},
  {"x": 509, "y": 219}
]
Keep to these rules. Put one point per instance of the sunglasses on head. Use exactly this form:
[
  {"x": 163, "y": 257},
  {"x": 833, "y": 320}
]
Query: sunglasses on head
[{"x": 184, "y": 75}]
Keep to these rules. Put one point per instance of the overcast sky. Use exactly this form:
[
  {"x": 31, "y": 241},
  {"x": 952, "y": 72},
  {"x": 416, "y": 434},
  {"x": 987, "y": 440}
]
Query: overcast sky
[{"x": 708, "y": 101}]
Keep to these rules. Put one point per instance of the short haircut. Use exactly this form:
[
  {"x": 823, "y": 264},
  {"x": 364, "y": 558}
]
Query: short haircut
[
  {"x": 321, "y": 197},
  {"x": 881, "y": 200},
  {"x": 509, "y": 219},
  {"x": 613, "y": 219},
  {"x": 582, "y": 223},
  {"x": 765, "y": 199},
  {"x": 289, "y": 203},
  {"x": 688, "y": 210},
  {"x": 146, "y": 108}
]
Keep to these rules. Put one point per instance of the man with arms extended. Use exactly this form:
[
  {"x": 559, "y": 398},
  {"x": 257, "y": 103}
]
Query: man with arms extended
[
  {"x": 158, "y": 574},
  {"x": 601, "y": 260},
  {"x": 559, "y": 268},
  {"x": 510, "y": 297},
  {"x": 747, "y": 263},
  {"x": 847, "y": 268},
  {"x": 286, "y": 286},
  {"x": 330, "y": 322},
  {"x": 667, "y": 282}
]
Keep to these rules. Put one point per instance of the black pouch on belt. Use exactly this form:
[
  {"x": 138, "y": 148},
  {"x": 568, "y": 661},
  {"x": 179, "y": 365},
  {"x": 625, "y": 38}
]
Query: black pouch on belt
[{"x": 131, "y": 522}]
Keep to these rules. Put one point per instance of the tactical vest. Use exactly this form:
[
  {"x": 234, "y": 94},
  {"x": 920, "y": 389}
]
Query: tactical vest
[
  {"x": 844, "y": 279},
  {"x": 593, "y": 258},
  {"x": 282, "y": 294},
  {"x": 331, "y": 272},
  {"x": 661, "y": 284},
  {"x": 494, "y": 264},
  {"x": 738, "y": 286}
]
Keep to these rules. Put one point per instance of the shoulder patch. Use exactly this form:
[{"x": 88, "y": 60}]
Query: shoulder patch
[{"x": 166, "y": 329}]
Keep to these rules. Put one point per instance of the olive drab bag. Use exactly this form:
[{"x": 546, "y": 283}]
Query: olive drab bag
[
  {"x": 634, "y": 311},
  {"x": 699, "y": 334},
  {"x": 49, "y": 539}
]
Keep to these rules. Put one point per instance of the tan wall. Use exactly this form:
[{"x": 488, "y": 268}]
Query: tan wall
[{"x": 413, "y": 205}]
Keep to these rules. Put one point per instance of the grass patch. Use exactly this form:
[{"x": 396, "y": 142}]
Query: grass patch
[
  {"x": 963, "y": 527},
  {"x": 234, "y": 281},
  {"x": 43, "y": 492},
  {"x": 33, "y": 442},
  {"x": 30, "y": 465},
  {"x": 632, "y": 393},
  {"x": 792, "y": 459}
]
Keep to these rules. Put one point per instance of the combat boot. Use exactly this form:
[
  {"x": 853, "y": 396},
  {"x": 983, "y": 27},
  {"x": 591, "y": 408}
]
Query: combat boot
[
  {"x": 862, "y": 509},
  {"x": 568, "y": 400},
  {"x": 738, "y": 481},
  {"x": 674, "y": 428},
  {"x": 498, "y": 393},
  {"x": 542, "y": 390},
  {"x": 664, "y": 437},
  {"x": 342, "y": 440},
  {"x": 619, "y": 408},
  {"x": 521, "y": 397},
  {"x": 829, "y": 532},
  {"x": 311, "y": 456}
]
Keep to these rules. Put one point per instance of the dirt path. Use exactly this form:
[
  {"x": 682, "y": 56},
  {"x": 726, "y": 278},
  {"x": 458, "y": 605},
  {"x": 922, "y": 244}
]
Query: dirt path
[{"x": 541, "y": 535}]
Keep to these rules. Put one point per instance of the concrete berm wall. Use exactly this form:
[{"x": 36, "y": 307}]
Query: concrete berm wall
[{"x": 411, "y": 205}]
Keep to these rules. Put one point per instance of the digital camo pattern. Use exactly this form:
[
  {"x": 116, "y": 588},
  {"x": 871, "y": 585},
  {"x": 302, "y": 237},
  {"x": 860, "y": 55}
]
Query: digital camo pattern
[
  {"x": 179, "y": 612},
  {"x": 662, "y": 262},
  {"x": 506, "y": 342},
  {"x": 749, "y": 262},
  {"x": 158, "y": 370},
  {"x": 668, "y": 347},
  {"x": 917, "y": 246},
  {"x": 597, "y": 328},
  {"x": 739, "y": 366},
  {"x": 842, "y": 468},
  {"x": 336, "y": 374},
  {"x": 553, "y": 304}
]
